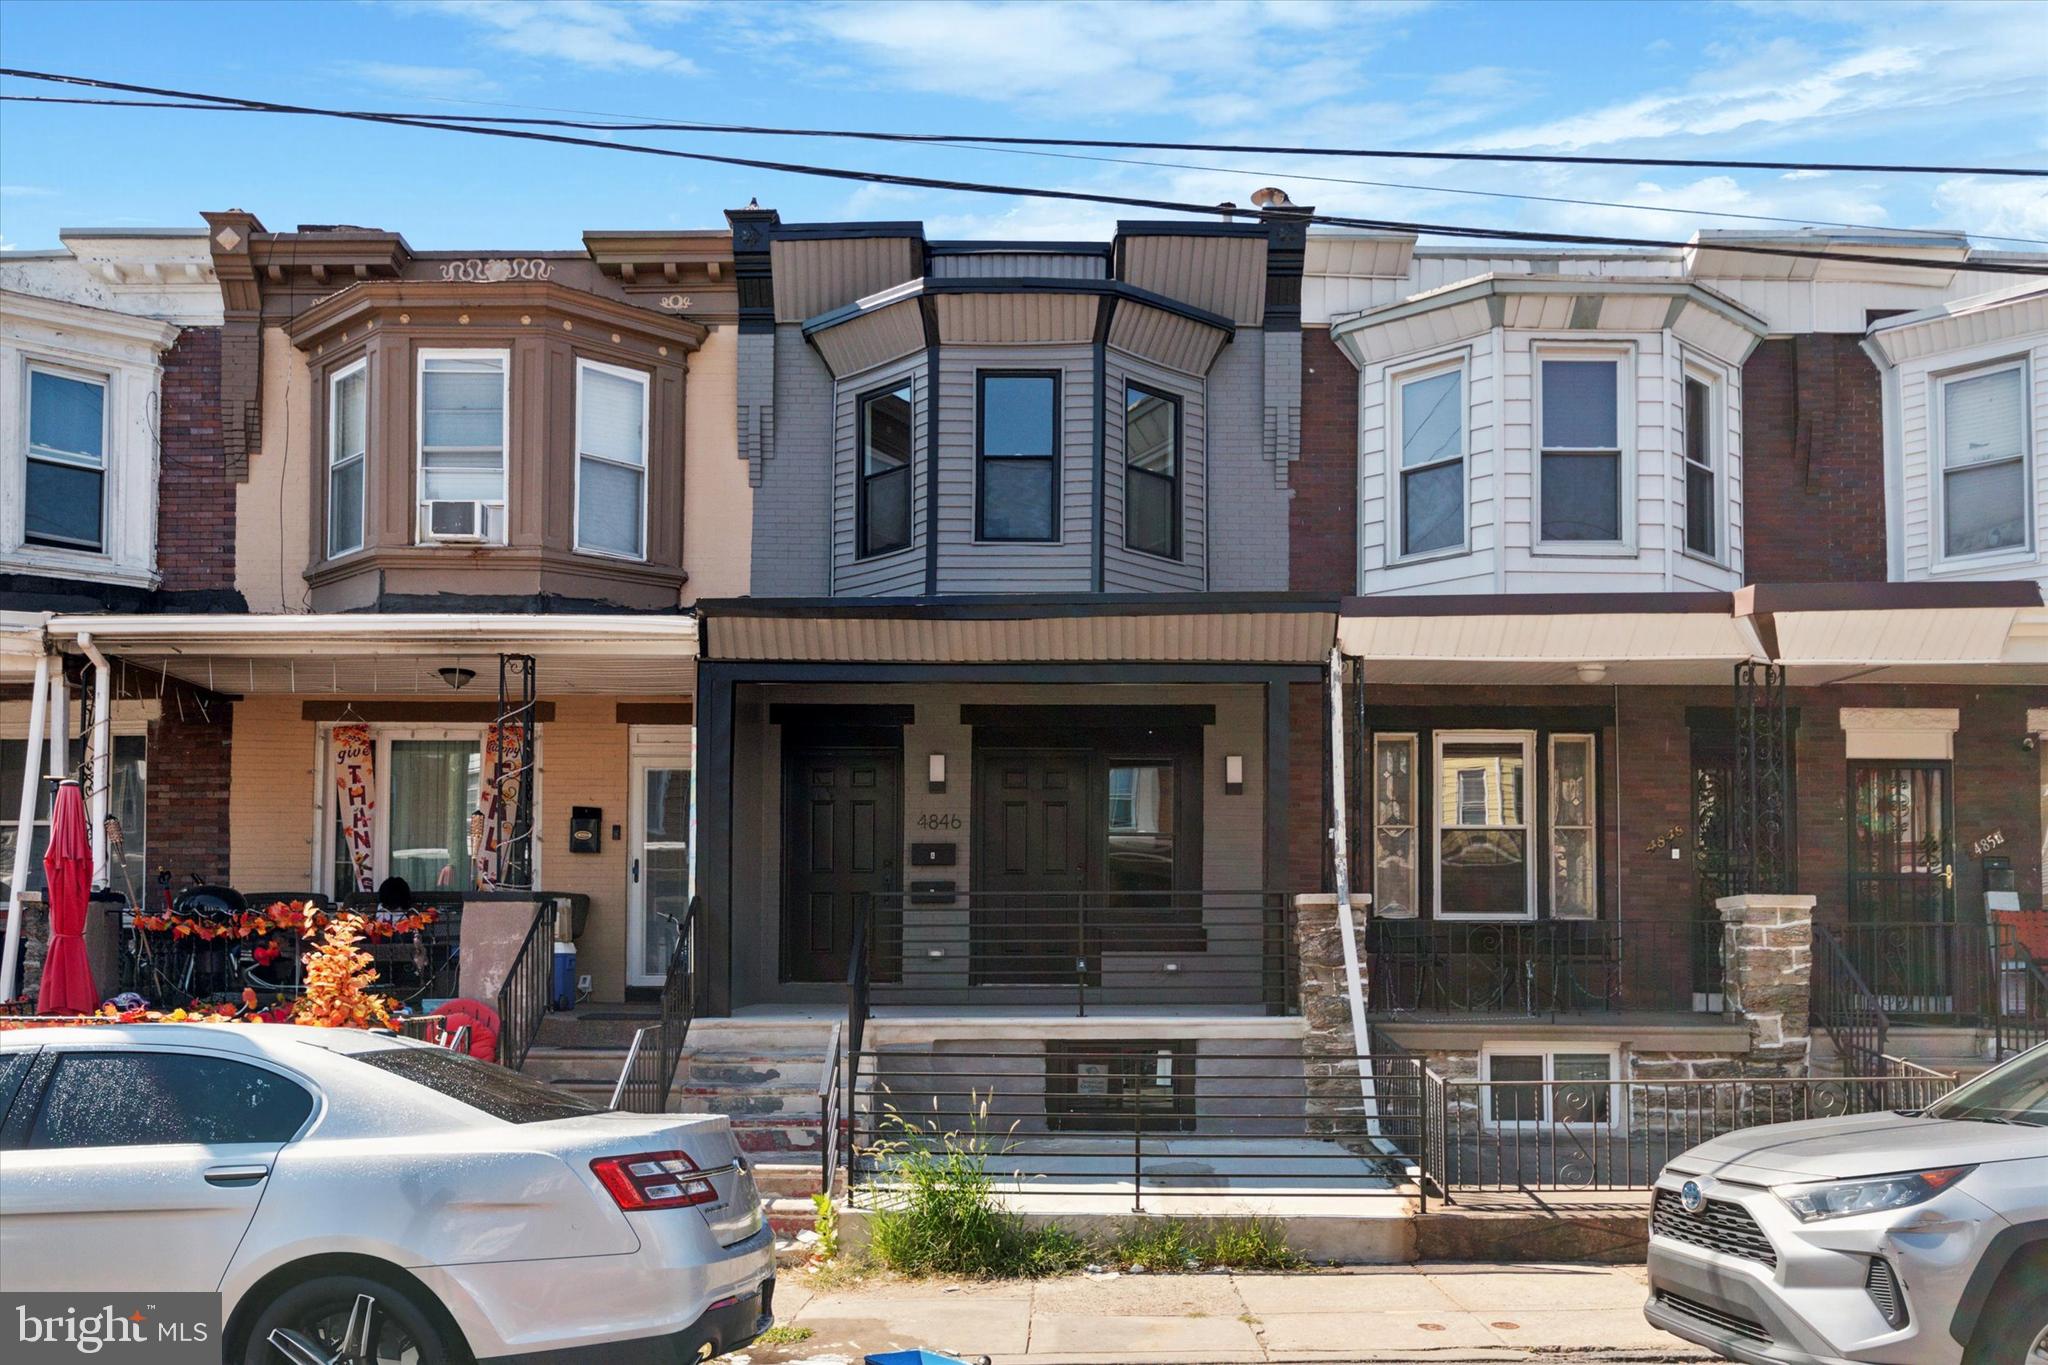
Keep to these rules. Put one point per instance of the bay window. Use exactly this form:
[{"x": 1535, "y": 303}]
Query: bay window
[
  {"x": 347, "y": 457},
  {"x": 1982, "y": 466},
  {"x": 1151, "y": 472},
  {"x": 1579, "y": 465},
  {"x": 611, "y": 460},
  {"x": 65, "y": 493},
  {"x": 883, "y": 470},
  {"x": 462, "y": 440},
  {"x": 1017, "y": 456},
  {"x": 1483, "y": 826},
  {"x": 1430, "y": 420}
]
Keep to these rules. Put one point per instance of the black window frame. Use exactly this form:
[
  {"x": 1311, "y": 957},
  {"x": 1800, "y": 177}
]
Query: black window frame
[
  {"x": 1175, "y": 540},
  {"x": 1052, "y": 460},
  {"x": 863, "y": 480}
]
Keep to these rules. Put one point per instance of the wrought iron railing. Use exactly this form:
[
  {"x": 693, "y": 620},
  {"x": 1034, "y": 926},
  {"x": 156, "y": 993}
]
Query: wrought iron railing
[
  {"x": 1082, "y": 951},
  {"x": 1939, "y": 972},
  {"x": 2022, "y": 1018},
  {"x": 829, "y": 1111},
  {"x": 1844, "y": 1006},
  {"x": 1538, "y": 968},
  {"x": 523, "y": 998},
  {"x": 678, "y": 1000}
]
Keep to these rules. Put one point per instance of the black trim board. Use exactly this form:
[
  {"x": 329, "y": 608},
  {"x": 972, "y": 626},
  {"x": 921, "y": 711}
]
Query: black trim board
[
  {"x": 841, "y": 713},
  {"x": 1110, "y": 717}
]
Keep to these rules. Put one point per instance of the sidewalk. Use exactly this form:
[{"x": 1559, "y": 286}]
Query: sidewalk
[{"x": 1445, "y": 1312}]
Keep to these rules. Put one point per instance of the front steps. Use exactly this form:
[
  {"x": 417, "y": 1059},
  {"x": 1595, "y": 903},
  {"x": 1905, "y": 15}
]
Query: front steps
[{"x": 1958, "y": 1050}]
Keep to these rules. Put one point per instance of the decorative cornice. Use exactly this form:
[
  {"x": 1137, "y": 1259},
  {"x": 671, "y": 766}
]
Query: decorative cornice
[
  {"x": 77, "y": 317},
  {"x": 375, "y": 298}
]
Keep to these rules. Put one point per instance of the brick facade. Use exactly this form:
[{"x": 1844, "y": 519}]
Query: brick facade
[
  {"x": 1813, "y": 462},
  {"x": 186, "y": 800},
  {"x": 1323, "y": 516},
  {"x": 195, "y": 495},
  {"x": 1307, "y": 767}
]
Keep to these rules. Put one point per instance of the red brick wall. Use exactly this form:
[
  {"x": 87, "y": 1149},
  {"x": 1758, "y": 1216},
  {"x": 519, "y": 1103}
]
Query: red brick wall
[
  {"x": 1308, "y": 848},
  {"x": 1323, "y": 515},
  {"x": 195, "y": 495},
  {"x": 186, "y": 802},
  {"x": 1813, "y": 462}
]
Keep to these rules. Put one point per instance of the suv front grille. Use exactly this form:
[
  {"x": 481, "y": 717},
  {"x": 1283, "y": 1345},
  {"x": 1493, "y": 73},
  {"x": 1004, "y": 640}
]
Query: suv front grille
[
  {"x": 1720, "y": 1226},
  {"x": 1714, "y": 1317}
]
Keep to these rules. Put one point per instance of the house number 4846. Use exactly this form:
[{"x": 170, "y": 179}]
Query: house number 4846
[{"x": 933, "y": 821}]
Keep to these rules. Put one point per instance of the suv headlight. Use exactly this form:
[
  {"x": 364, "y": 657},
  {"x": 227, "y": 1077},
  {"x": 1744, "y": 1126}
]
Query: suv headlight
[{"x": 1842, "y": 1198}]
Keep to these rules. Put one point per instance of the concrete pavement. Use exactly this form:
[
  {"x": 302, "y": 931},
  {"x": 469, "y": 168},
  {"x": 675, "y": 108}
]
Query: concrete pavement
[{"x": 1484, "y": 1312}]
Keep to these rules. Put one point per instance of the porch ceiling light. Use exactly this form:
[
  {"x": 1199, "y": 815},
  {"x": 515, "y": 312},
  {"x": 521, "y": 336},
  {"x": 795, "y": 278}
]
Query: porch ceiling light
[
  {"x": 457, "y": 677},
  {"x": 1592, "y": 673},
  {"x": 935, "y": 772},
  {"x": 1233, "y": 774}
]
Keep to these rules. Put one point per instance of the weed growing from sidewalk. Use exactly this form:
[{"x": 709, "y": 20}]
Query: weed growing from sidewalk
[
  {"x": 784, "y": 1335},
  {"x": 1169, "y": 1244},
  {"x": 826, "y": 1225}
]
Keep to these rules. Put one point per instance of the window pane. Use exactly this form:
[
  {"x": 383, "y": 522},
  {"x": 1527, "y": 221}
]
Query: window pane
[
  {"x": 1572, "y": 893},
  {"x": 465, "y": 475},
  {"x": 504, "y": 1095},
  {"x": 1484, "y": 872},
  {"x": 1982, "y": 418},
  {"x": 138, "y": 1099},
  {"x": 1581, "y": 497},
  {"x": 1587, "y": 1103},
  {"x": 1493, "y": 772},
  {"x": 1698, "y": 414},
  {"x": 1699, "y": 509},
  {"x": 887, "y": 524},
  {"x": 1141, "y": 827},
  {"x": 613, "y": 419},
  {"x": 1150, "y": 513},
  {"x": 434, "y": 786},
  {"x": 1986, "y": 509},
  {"x": 463, "y": 403},
  {"x": 349, "y": 417},
  {"x": 1433, "y": 509},
  {"x": 1432, "y": 419},
  {"x": 67, "y": 416},
  {"x": 1579, "y": 404},
  {"x": 608, "y": 508},
  {"x": 886, "y": 443},
  {"x": 1515, "y": 1103},
  {"x": 63, "y": 505},
  {"x": 1017, "y": 415},
  {"x": 128, "y": 804},
  {"x": 665, "y": 886},
  {"x": 1016, "y": 499},
  {"x": 1149, "y": 432},
  {"x": 345, "y": 508}
]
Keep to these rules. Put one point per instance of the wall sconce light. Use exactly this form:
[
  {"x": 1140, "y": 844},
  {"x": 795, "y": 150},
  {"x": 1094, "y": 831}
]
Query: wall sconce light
[
  {"x": 935, "y": 773},
  {"x": 458, "y": 678},
  {"x": 1233, "y": 774}
]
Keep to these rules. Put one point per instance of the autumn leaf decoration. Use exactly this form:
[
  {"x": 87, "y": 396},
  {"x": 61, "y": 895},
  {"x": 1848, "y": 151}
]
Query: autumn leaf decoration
[{"x": 339, "y": 975}]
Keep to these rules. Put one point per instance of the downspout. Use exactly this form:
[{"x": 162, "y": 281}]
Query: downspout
[
  {"x": 1354, "y": 978},
  {"x": 100, "y": 746},
  {"x": 60, "y": 721},
  {"x": 31, "y": 777}
]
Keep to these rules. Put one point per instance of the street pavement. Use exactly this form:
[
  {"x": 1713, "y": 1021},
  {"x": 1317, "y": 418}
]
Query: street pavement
[{"x": 1438, "y": 1313}]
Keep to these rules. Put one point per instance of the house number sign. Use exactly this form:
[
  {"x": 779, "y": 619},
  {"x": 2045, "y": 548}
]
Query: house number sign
[
  {"x": 930, "y": 820},
  {"x": 1995, "y": 839},
  {"x": 1665, "y": 840}
]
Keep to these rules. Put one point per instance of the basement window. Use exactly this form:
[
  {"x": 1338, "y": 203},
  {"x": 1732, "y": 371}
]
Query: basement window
[
  {"x": 1546, "y": 1085},
  {"x": 1096, "y": 1087}
]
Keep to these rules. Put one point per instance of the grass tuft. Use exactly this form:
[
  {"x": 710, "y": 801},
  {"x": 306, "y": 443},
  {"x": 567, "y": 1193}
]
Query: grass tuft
[
  {"x": 1169, "y": 1244},
  {"x": 783, "y": 1334}
]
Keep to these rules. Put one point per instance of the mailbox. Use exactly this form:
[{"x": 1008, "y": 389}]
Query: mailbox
[{"x": 586, "y": 829}]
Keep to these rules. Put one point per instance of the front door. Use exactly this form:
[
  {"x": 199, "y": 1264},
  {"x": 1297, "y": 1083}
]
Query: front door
[
  {"x": 1901, "y": 882},
  {"x": 658, "y": 873},
  {"x": 1031, "y": 865},
  {"x": 841, "y": 812}
]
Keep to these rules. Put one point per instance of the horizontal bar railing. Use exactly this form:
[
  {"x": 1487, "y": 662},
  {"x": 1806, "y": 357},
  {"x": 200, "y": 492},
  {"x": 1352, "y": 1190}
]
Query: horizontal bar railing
[
  {"x": 1140, "y": 1120},
  {"x": 1077, "y": 951},
  {"x": 1542, "y": 968},
  {"x": 1936, "y": 971},
  {"x": 2022, "y": 1017}
]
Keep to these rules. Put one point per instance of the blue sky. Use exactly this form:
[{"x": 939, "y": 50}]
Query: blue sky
[{"x": 1823, "y": 82}]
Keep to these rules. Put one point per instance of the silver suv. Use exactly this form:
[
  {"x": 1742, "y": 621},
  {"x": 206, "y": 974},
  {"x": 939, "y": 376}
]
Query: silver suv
[{"x": 1909, "y": 1238}]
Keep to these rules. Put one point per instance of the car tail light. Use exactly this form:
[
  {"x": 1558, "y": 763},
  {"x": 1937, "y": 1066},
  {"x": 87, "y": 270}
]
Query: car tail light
[{"x": 653, "y": 1180}]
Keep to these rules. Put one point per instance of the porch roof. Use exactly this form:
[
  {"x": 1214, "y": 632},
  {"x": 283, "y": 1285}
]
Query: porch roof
[
  {"x": 1193, "y": 628},
  {"x": 1985, "y": 632},
  {"x": 396, "y": 654}
]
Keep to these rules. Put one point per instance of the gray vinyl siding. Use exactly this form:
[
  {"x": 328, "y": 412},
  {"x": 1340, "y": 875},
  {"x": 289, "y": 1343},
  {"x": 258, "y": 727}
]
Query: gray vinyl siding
[
  {"x": 1036, "y": 265},
  {"x": 1126, "y": 570},
  {"x": 792, "y": 502},
  {"x": 968, "y": 567},
  {"x": 1254, "y": 434},
  {"x": 901, "y": 571}
]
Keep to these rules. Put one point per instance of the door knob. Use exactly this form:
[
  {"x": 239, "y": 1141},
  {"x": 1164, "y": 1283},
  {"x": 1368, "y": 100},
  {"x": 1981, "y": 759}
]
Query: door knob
[{"x": 233, "y": 1176}]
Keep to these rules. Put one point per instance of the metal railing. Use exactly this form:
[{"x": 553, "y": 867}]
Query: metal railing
[
  {"x": 649, "y": 1074},
  {"x": 523, "y": 998},
  {"x": 1940, "y": 972},
  {"x": 638, "y": 1090},
  {"x": 1844, "y": 1006},
  {"x": 2022, "y": 1016},
  {"x": 173, "y": 969},
  {"x": 1171, "y": 1120},
  {"x": 1081, "y": 951},
  {"x": 829, "y": 1112},
  {"x": 1541, "y": 967}
]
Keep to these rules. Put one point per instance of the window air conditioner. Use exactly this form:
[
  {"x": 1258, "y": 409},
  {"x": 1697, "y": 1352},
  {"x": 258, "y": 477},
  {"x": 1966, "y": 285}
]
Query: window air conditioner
[{"x": 454, "y": 520}]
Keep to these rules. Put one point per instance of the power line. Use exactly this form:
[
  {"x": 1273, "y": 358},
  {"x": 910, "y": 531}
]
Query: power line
[
  {"x": 969, "y": 145},
  {"x": 976, "y": 187}
]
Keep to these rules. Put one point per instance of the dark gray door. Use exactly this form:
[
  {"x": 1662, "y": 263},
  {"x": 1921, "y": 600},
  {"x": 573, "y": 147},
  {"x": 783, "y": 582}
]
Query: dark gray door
[
  {"x": 1031, "y": 866},
  {"x": 841, "y": 810}
]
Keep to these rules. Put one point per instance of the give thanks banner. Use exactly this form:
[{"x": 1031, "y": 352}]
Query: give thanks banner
[{"x": 354, "y": 778}]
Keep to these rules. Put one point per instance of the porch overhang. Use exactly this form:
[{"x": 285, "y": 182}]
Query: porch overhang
[
  {"x": 1987, "y": 633},
  {"x": 395, "y": 654},
  {"x": 1199, "y": 628}
]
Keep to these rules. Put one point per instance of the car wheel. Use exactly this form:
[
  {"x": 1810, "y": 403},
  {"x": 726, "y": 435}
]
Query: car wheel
[
  {"x": 2014, "y": 1330},
  {"x": 349, "y": 1320}
]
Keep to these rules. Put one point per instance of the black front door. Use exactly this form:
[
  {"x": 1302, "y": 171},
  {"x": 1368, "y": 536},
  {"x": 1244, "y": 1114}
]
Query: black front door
[
  {"x": 1901, "y": 931},
  {"x": 1031, "y": 864},
  {"x": 841, "y": 844}
]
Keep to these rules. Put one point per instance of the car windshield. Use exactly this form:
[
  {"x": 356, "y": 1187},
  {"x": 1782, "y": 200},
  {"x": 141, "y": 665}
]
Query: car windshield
[
  {"x": 500, "y": 1093},
  {"x": 2014, "y": 1093}
]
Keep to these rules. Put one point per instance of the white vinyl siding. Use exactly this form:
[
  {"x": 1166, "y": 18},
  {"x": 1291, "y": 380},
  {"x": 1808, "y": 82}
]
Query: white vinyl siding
[
  {"x": 348, "y": 422},
  {"x": 611, "y": 460}
]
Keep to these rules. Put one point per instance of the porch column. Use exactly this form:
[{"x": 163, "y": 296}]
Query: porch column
[
  {"x": 31, "y": 779},
  {"x": 714, "y": 837},
  {"x": 1769, "y": 975}
]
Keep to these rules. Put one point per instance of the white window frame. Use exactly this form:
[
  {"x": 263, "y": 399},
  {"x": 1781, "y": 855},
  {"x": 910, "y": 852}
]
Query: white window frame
[
  {"x": 105, "y": 468},
  {"x": 503, "y": 356},
  {"x": 1592, "y": 825},
  {"x": 1617, "y": 1093},
  {"x": 1717, "y": 456},
  {"x": 1525, "y": 738},
  {"x": 646, "y": 383},
  {"x": 1397, "y": 486},
  {"x": 334, "y": 382},
  {"x": 1623, "y": 354},
  {"x": 1937, "y": 465}
]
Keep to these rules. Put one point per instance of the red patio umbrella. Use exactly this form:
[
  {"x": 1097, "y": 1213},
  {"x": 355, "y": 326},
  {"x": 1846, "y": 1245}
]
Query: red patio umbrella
[{"x": 67, "y": 869}]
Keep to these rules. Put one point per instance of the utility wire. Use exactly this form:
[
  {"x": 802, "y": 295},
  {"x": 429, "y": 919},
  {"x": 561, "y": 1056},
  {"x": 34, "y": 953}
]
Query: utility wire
[
  {"x": 1160, "y": 165},
  {"x": 976, "y": 187}
]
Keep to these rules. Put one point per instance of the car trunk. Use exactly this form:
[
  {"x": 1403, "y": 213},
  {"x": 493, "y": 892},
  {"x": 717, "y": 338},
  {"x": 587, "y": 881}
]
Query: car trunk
[{"x": 707, "y": 1140}]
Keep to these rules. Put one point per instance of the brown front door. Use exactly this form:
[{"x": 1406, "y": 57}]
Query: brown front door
[
  {"x": 841, "y": 844},
  {"x": 1031, "y": 865}
]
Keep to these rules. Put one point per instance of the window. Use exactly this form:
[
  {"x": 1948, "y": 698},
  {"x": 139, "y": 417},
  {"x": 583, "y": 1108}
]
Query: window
[
  {"x": 463, "y": 433},
  {"x": 885, "y": 453},
  {"x": 1536, "y": 1085},
  {"x": 1151, "y": 472},
  {"x": 1985, "y": 505},
  {"x": 611, "y": 460},
  {"x": 1702, "y": 520},
  {"x": 1017, "y": 457},
  {"x": 153, "y": 1099},
  {"x": 1574, "y": 858},
  {"x": 1431, "y": 418},
  {"x": 64, "y": 501},
  {"x": 504, "y": 1095},
  {"x": 1141, "y": 827},
  {"x": 426, "y": 788},
  {"x": 130, "y": 863},
  {"x": 1579, "y": 472},
  {"x": 1482, "y": 854},
  {"x": 1393, "y": 833},
  {"x": 347, "y": 448},
  {"x": 1097, "y": 1087}
]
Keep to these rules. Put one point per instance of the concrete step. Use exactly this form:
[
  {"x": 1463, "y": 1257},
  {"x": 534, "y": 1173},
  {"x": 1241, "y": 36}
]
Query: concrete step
[
  {"x": 794, "y": 1136},
  {"x": 779, "y": 1069},
  {"x": 753, "y": 1102},
  {"x": 580, "y": 1030},
  {"x": 762, "y": 1035},
  {"x": 574, "y": 1063},
  {"x": 787, "y": 1179}
]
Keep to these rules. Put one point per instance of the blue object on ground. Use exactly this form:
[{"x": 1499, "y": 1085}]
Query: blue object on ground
[
  {"x": 564, "y": 992},
  {"x": 919, "y": 1356}
]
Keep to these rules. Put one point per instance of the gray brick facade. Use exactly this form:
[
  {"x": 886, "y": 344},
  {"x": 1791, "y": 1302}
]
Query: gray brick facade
[{"x": 793, "y": 486}]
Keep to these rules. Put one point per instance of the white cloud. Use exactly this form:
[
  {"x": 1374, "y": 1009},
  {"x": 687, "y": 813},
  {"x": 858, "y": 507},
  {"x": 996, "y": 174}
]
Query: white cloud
[
  {"x": 27, "y": 192},
  {"x": 437, "y": 82},
  {"x": 603, "y": 35},
  {"x": 2002, "y": 207},
  {"x": 1804, "y": 175}
]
